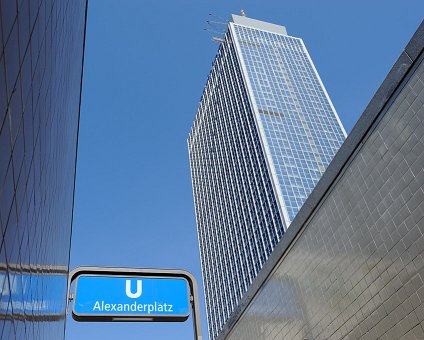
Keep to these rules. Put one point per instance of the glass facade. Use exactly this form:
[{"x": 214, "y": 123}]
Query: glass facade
[
  {"x": 237, "y": 214},
  {"x": 300, "y": 127},
  {"x": 263, "y": 134},
  {"x": 41, "y": 57}
]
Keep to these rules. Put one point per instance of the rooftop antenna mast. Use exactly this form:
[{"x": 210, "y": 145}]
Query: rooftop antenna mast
[{"x": 216, "y": 26}]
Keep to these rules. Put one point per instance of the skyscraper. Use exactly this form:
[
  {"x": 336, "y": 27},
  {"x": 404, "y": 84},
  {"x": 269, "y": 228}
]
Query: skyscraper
[
  {"x": 41, "y": 61},
  {"x": 263, "y": 134}
]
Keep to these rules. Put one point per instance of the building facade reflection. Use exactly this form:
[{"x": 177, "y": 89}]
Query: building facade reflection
[{"x": 41, "y": 62}]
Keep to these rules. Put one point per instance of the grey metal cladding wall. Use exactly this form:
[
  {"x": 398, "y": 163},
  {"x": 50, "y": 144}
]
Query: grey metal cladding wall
[{"x": 356, "y": 270}]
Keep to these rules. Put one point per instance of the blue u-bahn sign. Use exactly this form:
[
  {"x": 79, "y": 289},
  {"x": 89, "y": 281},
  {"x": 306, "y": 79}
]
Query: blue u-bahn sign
[
  {"x": 120, "y": 298},
  {"x": 134, "y": 294}
]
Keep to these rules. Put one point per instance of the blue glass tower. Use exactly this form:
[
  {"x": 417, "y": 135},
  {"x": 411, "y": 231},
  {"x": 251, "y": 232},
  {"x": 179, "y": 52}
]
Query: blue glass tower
[{"x": 263, "y": 135}]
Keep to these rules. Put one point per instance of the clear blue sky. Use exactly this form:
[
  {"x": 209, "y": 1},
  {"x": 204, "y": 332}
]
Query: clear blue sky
[{"x": 146, "y": 63}]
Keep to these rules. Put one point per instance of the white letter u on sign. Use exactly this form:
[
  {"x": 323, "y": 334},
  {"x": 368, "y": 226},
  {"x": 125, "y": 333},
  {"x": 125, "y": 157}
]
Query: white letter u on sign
[{"x": 128, "y": 289}]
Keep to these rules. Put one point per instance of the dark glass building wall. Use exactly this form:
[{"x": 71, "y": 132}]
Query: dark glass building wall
[{"x": 41, "y": 58}]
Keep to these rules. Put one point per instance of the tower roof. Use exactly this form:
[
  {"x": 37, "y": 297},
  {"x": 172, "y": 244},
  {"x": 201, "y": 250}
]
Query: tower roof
[{"x": 262, "y": 25}]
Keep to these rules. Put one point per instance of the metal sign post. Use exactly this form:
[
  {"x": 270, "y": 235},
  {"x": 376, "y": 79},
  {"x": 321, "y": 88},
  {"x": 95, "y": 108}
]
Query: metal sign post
[{"x": 134, "y": 294}]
